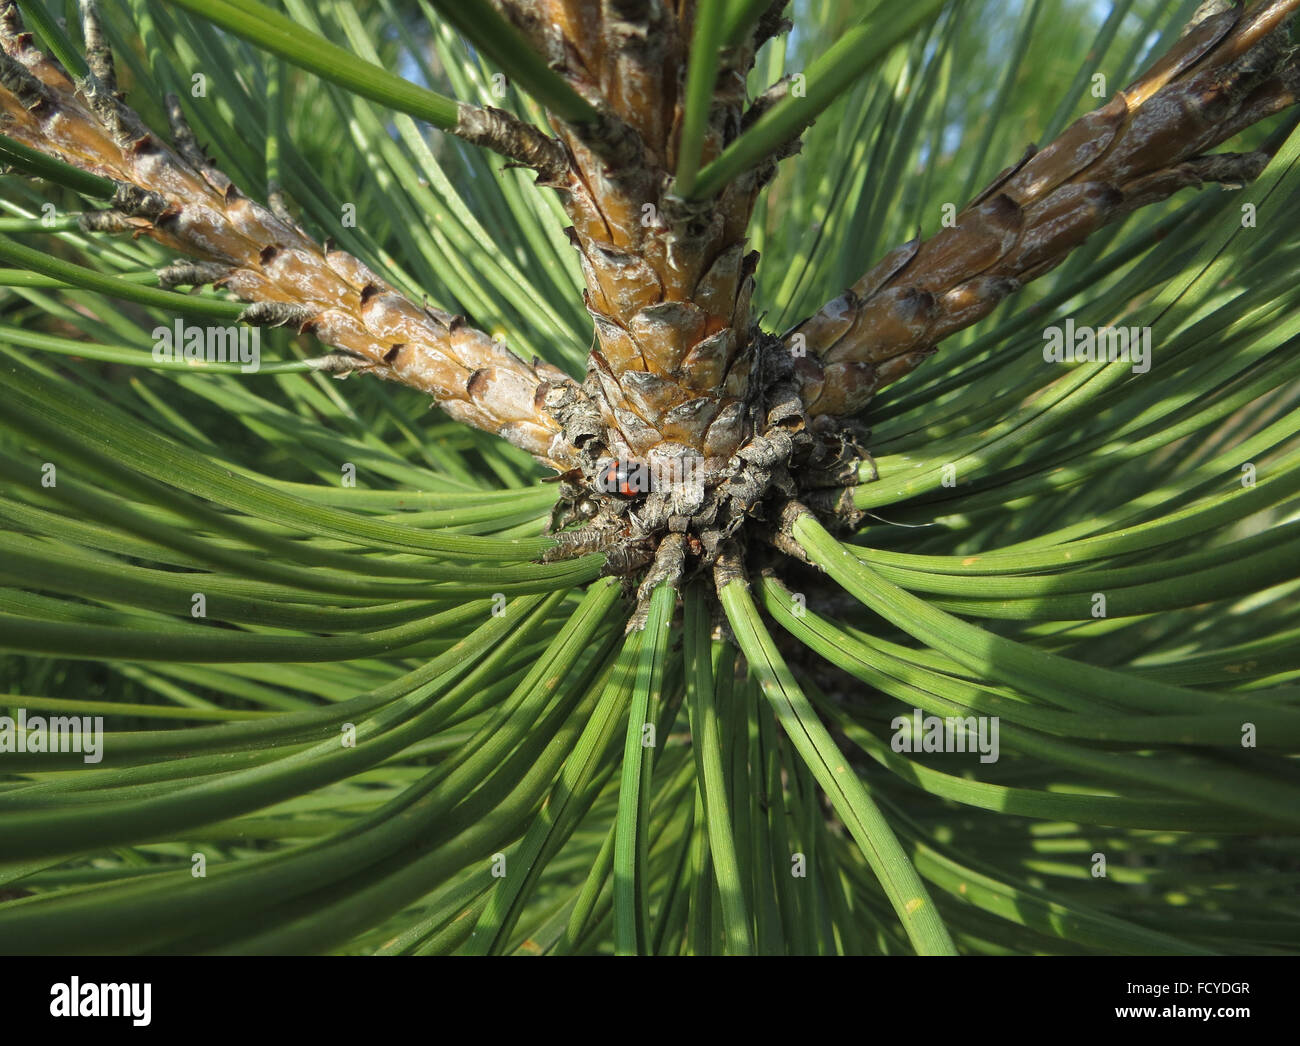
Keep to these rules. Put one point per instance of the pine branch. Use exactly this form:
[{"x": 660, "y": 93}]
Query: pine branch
[
  {"x": 175, "y": 196},
  {"x": 668, "y": 283},
  {"x": 1229, "y": 70}
]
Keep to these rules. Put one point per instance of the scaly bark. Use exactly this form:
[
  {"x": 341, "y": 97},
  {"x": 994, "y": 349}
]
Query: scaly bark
[
  {"x": 668, "y": 284},
  {"x": 173, "y": 194},
  {"x": 1229, "y": 70}
]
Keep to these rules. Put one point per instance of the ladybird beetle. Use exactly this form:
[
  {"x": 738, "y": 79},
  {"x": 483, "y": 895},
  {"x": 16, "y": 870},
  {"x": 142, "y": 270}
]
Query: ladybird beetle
[
  {"x": 617, "y": 481},
  {"x": 625, "y": 478}
]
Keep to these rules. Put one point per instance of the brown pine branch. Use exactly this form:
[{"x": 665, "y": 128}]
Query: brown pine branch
[
  {"x": 668, "y": 284},
  {"x": 1229, "y": 70},
  {"x": 173, "y": 194}
]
